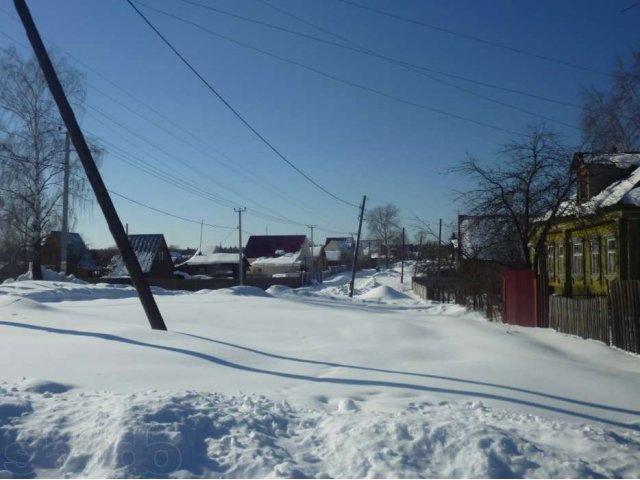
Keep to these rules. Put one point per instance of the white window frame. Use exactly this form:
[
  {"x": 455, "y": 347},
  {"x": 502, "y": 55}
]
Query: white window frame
[
  {"x": 612, "y": 255},
  {"x": 577, "y": 258},
  {"x": 595, "y": 242}
]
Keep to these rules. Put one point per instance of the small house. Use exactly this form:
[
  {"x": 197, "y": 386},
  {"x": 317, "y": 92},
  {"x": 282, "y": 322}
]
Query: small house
[
  {"x": 80, "y": 262},
  {"x": 339, "y": 251},
  {"x": 319, "y": 258},
  {"x": 153, "y": 256},
  {"x": 214, "y": 265},
  {"x": 596, "y": 237},
  {"x": 278, "y": 254}
]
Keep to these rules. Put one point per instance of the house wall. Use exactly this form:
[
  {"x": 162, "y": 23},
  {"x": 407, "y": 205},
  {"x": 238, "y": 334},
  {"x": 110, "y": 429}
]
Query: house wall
[
  {"x": 592, "y": 234},
  {"x": 162, "y": 266}
]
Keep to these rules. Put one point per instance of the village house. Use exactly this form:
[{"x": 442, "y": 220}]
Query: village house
[
  {"x": 596, "y": 238},
  {"x": 339, "y": 250},
  {"x": 153, "y": 256},
  {"x": 214, "y": 265},
  {"x": 80, "y": 262},
  {"x": 279, "y": 255},
  {"x": 319, "y": 258}
]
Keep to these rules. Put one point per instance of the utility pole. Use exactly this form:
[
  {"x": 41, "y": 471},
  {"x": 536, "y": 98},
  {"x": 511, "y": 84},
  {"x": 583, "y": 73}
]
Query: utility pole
[
  {"x": 355, "y": 255},
  {"x": 312, "y": 258},
  {"x": 65, "y": 206},
  {"x": 240, "y": 262},
  {"x": 201, "y": 225},
  {"x": 418, "y": 257},
  {"x": 93, "y": 174},
  {"x": 439, "y": 245},
  {"x": 402, "y": 259}
]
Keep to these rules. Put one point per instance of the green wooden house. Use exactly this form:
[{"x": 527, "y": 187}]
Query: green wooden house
[{"x": 596, "y": 239}]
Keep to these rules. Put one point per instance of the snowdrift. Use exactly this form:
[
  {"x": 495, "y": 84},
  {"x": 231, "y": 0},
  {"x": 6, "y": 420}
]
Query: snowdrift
[{"x": 302, "y": 383}]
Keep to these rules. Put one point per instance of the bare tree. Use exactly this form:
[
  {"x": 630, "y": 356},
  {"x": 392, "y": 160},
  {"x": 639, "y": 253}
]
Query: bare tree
[
  {"x": 32, "y": 139},
  {"x": 611, "y": 120},
  {"x": 383, "y": 223},
  {"x": 519, "y": 196}
]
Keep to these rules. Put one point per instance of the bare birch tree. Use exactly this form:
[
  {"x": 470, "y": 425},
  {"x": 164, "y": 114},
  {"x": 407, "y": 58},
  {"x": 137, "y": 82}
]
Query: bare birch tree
[
  {"x": 610, "y": 120},
  {"x": 383, "y": 223},
  {"x": 32, "y": 149}
]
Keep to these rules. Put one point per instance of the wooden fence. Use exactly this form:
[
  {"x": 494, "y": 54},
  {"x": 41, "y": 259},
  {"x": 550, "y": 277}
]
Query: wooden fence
[
  {"x": 453, "y": 290},
  {"x": 625, "y": 313},
  {"x": 585, "y": 317}
]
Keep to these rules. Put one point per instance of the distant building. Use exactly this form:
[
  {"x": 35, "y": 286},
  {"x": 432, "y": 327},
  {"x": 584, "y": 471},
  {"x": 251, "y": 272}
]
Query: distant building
[
  {"x": 80, "y": 262},
  {"x": 339, "y": 251},
  {"x": 278, "y": 254},
  {"x": 153, "y": 256},
  {"x": 215, "y": 265}
]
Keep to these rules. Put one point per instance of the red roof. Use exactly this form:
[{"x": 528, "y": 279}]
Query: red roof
[{"x": 266, "y": 245}]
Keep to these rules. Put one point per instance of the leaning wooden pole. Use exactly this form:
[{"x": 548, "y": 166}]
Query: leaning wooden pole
[
  {"x": 83, "y": 152},
  {"x": 357, "y": 249}
]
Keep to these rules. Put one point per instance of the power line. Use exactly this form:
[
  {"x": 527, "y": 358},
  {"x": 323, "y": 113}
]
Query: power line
[
  {"x": 375, "y": 55},
  {"x": 179, "y": 217},
  {"x": 341, "y": 80},
  {"x": 262, "y": 182},
  {"x": 233, "y": 110},
  {"x": 420, "y": 72},
  {"x": 476, "y": 39}
]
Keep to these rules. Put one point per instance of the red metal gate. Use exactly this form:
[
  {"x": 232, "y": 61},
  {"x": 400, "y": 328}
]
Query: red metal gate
[{"x": 519, "y": 299}]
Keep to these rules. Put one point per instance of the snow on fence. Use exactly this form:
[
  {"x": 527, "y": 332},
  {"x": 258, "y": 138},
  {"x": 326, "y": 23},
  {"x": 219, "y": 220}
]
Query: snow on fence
[
  {"x": 585, "y": 317},
  {"x": 625, "y": 314}
]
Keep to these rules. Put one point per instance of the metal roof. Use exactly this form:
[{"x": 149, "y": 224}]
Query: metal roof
[{"x": 145, "y": 247}]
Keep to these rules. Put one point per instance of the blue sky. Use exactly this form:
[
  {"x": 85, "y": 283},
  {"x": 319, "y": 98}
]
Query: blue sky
[{"x": 351, "y": 141}]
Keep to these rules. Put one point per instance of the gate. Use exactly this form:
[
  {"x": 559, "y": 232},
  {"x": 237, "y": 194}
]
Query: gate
[{"x": 519, "y": 298}]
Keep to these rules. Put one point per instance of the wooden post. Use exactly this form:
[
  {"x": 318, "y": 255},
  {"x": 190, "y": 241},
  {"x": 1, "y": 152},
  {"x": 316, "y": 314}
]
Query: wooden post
[
  {"x": 83, "y": 152},
  {"x": 357, "y": 250}
]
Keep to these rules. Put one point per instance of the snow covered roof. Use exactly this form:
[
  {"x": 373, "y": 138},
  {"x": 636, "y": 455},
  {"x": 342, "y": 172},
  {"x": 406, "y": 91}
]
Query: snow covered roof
[
  {"x": 620, "y": 192},
  {"x": 316, "y": 251},
  {"x": 339, "y": 239},
  {"x": 620, "y": 160},
  {"x": 212, "y": 258},
  {"x": 345, "y": 245},
  {"x": 283, "y": 260}
]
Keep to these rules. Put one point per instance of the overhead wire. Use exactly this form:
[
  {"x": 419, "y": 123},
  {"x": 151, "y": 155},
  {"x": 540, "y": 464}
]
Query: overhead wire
[
  {"x": 340, "y": 80},
  {"x": 418, "y": 71},
  {"x": 476, "y": 39},
  {"x": 233, "y": 110},
  {"x": 261, "y": 182},
  {"x": 375, "y": 55}
]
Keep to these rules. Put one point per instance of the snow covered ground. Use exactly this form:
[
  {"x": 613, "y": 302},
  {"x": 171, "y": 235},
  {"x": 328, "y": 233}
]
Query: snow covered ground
[{"x": 302, "y": 383}]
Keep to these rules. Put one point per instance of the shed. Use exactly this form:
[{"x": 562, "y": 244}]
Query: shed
[
  {"x": 80, "y": 262},
  {"x": 153, "y": 255}
]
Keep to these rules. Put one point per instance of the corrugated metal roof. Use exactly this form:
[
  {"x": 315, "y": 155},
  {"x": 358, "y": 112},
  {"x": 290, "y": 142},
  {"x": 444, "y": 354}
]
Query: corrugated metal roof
[{"x": 145, "y": 247}]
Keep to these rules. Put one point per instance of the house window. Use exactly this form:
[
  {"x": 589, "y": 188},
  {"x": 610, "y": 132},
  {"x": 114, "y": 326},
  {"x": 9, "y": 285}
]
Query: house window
[
  {"x": 577, "y": 263},
  {"x": 612, "y": 250},
  {"x": 561, "y": 261},
  {"x": 594, "y": 250},
  {"x": 551, "y": 262}
]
